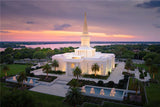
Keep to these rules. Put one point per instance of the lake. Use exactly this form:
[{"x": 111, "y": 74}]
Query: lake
[{"x": 58, "y": 46}]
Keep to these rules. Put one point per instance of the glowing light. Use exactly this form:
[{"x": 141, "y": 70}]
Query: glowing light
[
  {"x": 14, "y": 78},
  {"x": 102, "y": 92},
  {"x": 72, "y": 65},
  {"x": 83, "y": 89},
  {"x": 113, "y": 92},
  {"x": 92, "y": 91},
  {"x": 31, "y": 81}
]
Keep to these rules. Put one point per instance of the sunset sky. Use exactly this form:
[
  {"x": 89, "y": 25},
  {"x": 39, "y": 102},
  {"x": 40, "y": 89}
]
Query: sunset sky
[{"x": 62, "y": 20}]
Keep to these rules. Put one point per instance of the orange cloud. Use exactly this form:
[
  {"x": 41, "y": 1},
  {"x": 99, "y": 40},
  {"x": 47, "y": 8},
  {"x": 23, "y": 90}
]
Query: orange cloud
[{"x": 53, "y": 35}]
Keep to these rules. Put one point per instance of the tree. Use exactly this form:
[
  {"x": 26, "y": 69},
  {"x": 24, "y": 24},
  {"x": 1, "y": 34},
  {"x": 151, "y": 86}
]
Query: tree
[
  {"x": 21, "y": 78},
  {"x": 154, "y": 69},
  {"x": 73, "y": 96},
  {"x": 55, "y": 64},
  {"x": 128, "y": 64},
  {"x": 5, "y": 69},
  {"x": 46, "y": 68},
  {"x": 149, "y": 63},
  {"x": 95, "y": 68},
  {"x": 39, "y": 55},
  {"x": 8, "y": 58},
  {"x": 18, "y": 98},
  {"x": 77, "y": 72}
]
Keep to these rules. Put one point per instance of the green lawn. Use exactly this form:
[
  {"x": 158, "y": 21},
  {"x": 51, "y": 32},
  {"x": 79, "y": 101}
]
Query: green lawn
[
  {"x": 106, "y": 104},
  {"x": 42, "y": 100},
  {"x": 14, "y": 69},
  {"x": 153, "y": 91}
]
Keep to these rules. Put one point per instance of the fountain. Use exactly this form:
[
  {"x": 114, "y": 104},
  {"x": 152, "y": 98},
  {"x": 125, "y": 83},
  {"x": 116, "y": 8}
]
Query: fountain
[
  {"x": 102, "y": 92},
  {"x": 113, "y": 92},
  {"x": 92, "y": 91},
  {"x": 31, "y": 81},
  {"x": 83, "y": 89},
  {"x": 14, "y": 78},
  {"x": 25, "y": 81}
]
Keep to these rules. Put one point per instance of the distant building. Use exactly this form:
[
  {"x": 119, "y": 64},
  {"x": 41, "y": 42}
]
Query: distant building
[{"x": 84, "y": 57}]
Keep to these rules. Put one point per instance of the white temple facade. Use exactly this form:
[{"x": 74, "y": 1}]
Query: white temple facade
[{"x": 84, "y": 57}]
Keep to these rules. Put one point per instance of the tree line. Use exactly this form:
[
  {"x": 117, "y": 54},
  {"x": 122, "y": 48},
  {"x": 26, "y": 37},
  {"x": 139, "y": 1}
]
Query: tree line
[{"x": 9, "y": 54}]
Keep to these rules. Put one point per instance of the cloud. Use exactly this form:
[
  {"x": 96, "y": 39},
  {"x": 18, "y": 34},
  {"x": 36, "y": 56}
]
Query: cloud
[
  {"x": 150, "y": 4},
  {"x": 157, "y": 25},
  {"x": 30, "y": 22},
  {"x": 4, "y": 31},
  {"x": 61, "y": 27}
]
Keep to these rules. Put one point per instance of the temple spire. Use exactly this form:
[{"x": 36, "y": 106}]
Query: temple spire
[{"x": 85, "y": 28}]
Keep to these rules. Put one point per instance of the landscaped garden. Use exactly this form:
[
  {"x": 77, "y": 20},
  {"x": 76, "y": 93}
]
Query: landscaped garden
[
  {"x": 57, "y": 72},
  {"x": 95, "y": 77}
]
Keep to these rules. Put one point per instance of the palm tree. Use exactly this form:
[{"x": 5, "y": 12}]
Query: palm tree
[
  {"x": 22, "y": 77},
  {"x": 95, "y": 68},
  {"x": 149, "y": 63},
  {"x": 46, "y": 68},
  {"x": 77, "y": 72},
  {"x": 128, "y": 64},
  {"x": 55, "y": 64},
  {"x": 5, "y": 69},
  {"x": 154, "y": 69},
  {"x": 73, "y": 96}
]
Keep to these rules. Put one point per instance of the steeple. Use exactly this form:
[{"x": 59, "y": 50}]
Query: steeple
[{"x": 85, "y": 28}]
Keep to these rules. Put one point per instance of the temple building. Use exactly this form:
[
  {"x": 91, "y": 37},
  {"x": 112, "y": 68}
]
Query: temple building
[{"x": 84, "y": 57}]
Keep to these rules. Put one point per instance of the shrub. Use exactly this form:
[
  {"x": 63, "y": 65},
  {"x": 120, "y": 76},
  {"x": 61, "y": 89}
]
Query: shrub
[
  {"x": 32, "y": 74},
  {"x": 133, "y": 67},
  {"x": 74, "y": 83},
  {"x": 110, "y": 84},
  {"x": 145, "y": 73},
  {"x": 109, "y": 73},
  {"x": 93, "y": 76},
  {"x": 140, "y": 69},
  {"x": 141, "y": 76},
  {"x": 28, "y": 69},
  {"x": 82, "y": 82},
  {"x": 100, "y": 83},
  {"x": 121, "y": 83},
  {"x": 57, "y": 72},
  {"x": 126, "y": 77}
]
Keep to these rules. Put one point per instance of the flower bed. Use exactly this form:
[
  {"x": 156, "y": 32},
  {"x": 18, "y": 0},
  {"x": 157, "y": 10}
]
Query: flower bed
[
  {"x": 95, "y": 77},
  {"x": 43, "y": 78},
  {"x": 82, "y": 82},
  {"x": 57, "y": 72}
]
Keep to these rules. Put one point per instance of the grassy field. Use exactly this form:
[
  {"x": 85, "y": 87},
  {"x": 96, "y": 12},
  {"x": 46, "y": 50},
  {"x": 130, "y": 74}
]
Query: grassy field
[
  {"x": 153, "y": 91},
  {"x": 14, "y": 69}
]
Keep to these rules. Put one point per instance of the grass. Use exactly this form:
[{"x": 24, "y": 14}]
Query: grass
[
  {"x": 105, "y": 104},
  {"x": 14, "y": 69},
  {"x": 131, "y": 86},
  {"x": 42, "y": 100},
  {"x": 153, "y": 91}
]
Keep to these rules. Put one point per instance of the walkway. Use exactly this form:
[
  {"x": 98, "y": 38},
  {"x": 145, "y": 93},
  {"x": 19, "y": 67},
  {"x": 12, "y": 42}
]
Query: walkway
[
  {"x": 59, "y": 88},
  {"x": 116, "y": 75}
]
